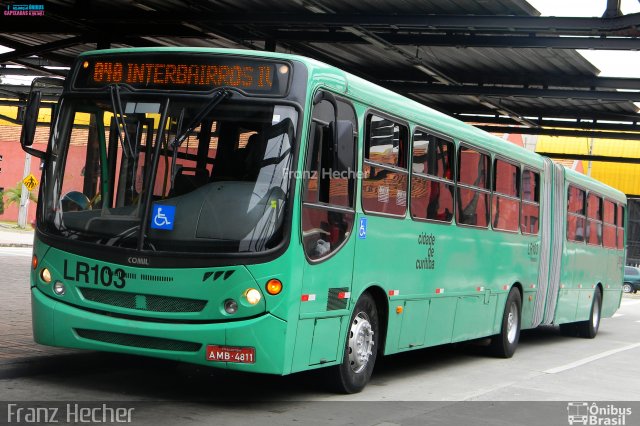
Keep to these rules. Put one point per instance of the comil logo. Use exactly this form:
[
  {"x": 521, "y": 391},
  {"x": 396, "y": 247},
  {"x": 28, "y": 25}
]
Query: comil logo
[{"x": 593, "y": 414}]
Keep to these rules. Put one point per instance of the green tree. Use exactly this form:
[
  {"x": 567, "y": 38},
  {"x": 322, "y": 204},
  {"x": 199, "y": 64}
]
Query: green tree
[
  {"x": 12, "y": 195},
  {"x": 1, "y": 202}
]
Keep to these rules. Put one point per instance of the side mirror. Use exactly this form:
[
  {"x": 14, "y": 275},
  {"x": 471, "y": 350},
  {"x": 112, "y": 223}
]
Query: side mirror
[
  {"x": 343, "y": 146},
  {"x": 51, "y": 87},
  {"x": 30, "y": 119}
]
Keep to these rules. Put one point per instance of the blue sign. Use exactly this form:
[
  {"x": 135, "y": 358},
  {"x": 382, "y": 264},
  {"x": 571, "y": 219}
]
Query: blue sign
[
  {"x": 162, "y": 216},
  {"x": 362, "y": 230}
]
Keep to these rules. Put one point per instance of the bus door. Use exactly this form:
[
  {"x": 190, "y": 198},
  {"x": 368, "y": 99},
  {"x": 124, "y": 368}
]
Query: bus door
[
  {"x": 557, "y": 243},
  {"x": 327, "y": 222}
]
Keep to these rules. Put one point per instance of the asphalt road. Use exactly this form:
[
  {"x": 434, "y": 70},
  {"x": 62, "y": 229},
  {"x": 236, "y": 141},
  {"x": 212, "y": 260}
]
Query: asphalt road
[{"x": 442, "y": 384}]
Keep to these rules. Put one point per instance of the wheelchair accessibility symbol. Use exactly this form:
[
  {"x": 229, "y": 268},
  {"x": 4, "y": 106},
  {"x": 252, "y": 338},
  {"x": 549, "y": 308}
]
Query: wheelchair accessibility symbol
[
  {"x": 362, "y": 229},
  {"x": 162, "y": 217}
]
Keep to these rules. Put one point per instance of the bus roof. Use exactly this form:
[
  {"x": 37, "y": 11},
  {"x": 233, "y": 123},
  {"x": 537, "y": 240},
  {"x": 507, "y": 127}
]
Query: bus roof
[{"x": 590, "y": 183}]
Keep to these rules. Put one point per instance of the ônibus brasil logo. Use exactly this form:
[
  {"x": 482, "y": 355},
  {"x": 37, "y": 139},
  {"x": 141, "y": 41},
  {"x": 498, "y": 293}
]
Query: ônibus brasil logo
[{"x": 583, "y": 413}]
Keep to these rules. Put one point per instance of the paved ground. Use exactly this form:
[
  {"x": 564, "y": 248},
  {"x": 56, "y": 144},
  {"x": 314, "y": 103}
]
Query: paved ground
[
  {"x": 453, "y": 379},
  {"x": 11, "y": 236},
  {"x": 16, "y": 341}
]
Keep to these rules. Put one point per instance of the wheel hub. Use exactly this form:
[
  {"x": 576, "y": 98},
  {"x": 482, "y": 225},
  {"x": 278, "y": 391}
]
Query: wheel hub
[
  {"x": 595, "y": 318},
  {"x": 360, "y": 342},
  {"x": 512, "y": 323}
]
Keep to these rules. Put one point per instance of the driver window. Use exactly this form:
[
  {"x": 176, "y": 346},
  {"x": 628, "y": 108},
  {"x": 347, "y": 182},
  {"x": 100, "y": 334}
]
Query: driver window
[
  {"x": 82, "y": 184},
  {"x": 327, "y": 212}
]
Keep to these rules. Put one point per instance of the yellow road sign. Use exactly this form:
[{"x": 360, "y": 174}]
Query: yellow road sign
[{"x": 30, "y": 182}]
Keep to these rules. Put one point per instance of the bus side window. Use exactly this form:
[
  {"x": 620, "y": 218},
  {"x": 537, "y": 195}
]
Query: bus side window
[
  {"x": 609, "y": 226},
  {"x": 505, "y": 209},
  {"x": 620, "y": 223},
  {"x": 594, "y": 215},
  {"x": 576, "y": 220},
  {"x": 474, "y": 170},
  {"x": 328, "y": 199},
  {"x": 530, "y": 208},
  {"x": 384, "y": 183},
  {"x": 432, "y": 188}
]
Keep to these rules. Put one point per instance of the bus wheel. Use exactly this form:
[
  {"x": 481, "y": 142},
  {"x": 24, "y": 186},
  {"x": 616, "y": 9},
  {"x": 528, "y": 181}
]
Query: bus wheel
[
  {"x": 361, "y": 348},
  {"x": 504, "y": 345},
  {"x": 589, "y": 328}
]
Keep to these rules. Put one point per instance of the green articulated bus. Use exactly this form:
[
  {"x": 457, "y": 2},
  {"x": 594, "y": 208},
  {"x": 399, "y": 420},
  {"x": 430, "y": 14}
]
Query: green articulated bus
[{"x": 269, "y": 213}]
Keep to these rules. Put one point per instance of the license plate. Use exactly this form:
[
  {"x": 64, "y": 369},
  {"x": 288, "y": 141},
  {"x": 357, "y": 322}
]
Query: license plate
[{"x": 231, "y": 354}]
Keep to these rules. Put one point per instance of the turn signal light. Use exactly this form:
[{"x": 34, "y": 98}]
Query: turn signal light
[
  {"x": 34, "y": 262},
  {"x": 274, "y": 286}
]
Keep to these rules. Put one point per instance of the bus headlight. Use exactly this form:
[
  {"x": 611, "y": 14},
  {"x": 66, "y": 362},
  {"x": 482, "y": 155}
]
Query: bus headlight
[
  {"x": 253, "y": 296},
  {"x": 58, "y": 288},
  {"x": 45, "y": 274}
]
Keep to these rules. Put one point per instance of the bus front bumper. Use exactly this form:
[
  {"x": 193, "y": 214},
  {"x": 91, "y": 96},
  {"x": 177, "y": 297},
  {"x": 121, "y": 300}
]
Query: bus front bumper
[{"x": 58, "y": 324}]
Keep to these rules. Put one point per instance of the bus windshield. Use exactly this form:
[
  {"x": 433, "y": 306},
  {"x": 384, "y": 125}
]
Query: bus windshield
[{"x": 170, "y": 174}]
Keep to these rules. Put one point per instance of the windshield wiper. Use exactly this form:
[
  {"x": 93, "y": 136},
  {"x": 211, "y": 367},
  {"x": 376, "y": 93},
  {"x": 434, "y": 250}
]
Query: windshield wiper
[
  {"x": 118, "y": 115},
  {"x": 218, "y": 96}
]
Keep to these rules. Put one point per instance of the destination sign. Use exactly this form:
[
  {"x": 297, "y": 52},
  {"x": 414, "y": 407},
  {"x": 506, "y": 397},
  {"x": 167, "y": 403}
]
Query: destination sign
[{"x": 184, "y": 73}]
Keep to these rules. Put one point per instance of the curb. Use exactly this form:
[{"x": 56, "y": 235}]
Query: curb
[{"x": 15, "y": 245}]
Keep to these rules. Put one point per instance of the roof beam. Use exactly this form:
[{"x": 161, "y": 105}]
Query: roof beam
[
  {"x": 21, "y": 72},
  {"x": 59, "y": 59},
  {"x": 530, "y": 41},
  {"x": 477, "y": 23},
  {"x": 501, "y": 24},
  {"x": 561, "y": 132},
  {"x": 26, "y": 51},
  {"x": 61, "y": 73},
  {"x": 582, "y": 114},
  {"x": 509, "y": 92},
  {"x": 583, "y": 157},
  {"x": 549, "y": 123}
]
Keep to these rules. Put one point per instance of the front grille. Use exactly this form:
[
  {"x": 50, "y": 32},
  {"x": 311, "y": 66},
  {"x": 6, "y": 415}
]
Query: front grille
[
  {"x": 135, "y": 341},
  {"x": 142, "y": 302},
  {"x": 156, "y": 278}
]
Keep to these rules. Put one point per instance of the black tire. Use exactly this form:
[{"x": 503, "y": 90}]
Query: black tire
[
  {"x": 353, "y": 374},
  {"x": 504, "y": 344},
  {"x": 588, "y": 329},
  {"x": 627, "y": 287}
]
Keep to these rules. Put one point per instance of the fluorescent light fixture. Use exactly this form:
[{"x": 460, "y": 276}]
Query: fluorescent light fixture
[
  {"x": 314, "y": 9},
  {"x": 193, "y": 27},
  {"x": 143, "y": 7},
  {"x": 426, "y": 70}
]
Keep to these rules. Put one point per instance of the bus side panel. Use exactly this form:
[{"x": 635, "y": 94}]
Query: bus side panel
[
  {"x": 414, "y": 324},
  {"x": 568, "y": 292},
  {"x": 473, "y": 326},
  {"x": 612, "y": 294},
  {"x": 440, "y": 321},
  {"x": 385, "y": 256}
]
